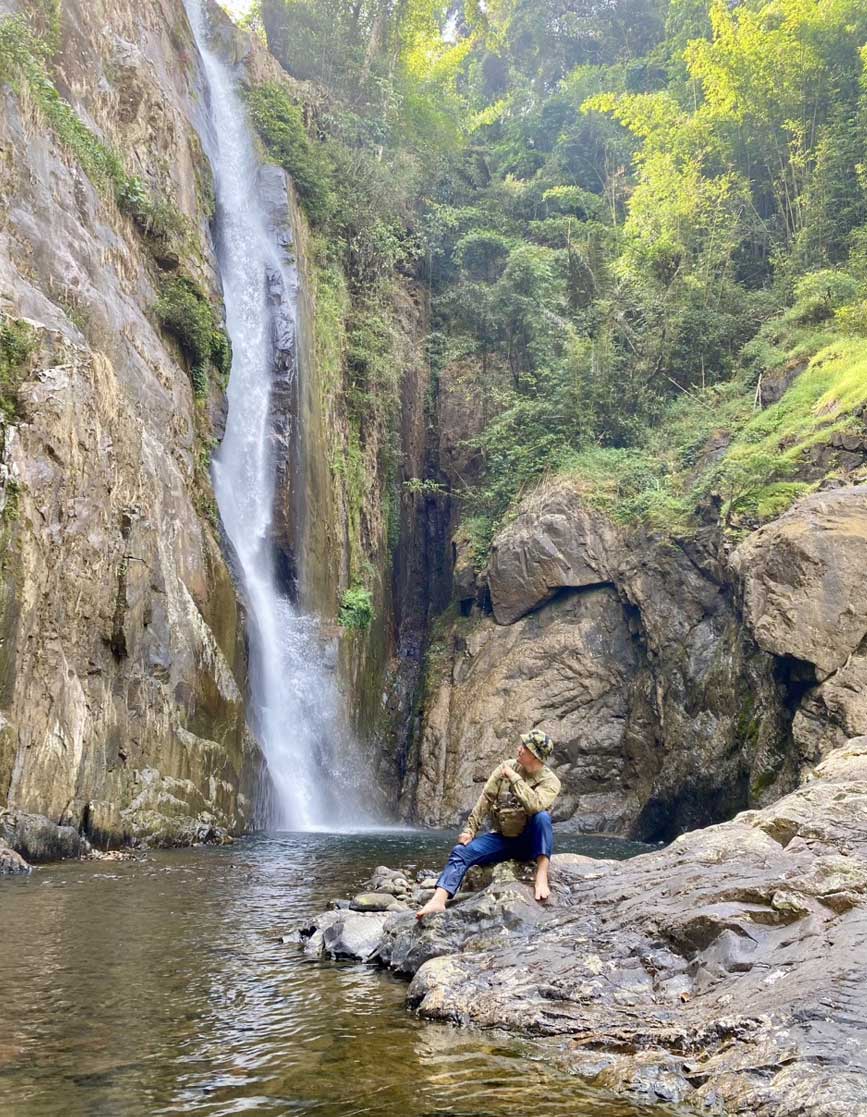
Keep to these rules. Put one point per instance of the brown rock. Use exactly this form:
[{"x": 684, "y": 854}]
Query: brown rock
[
  {"x": 805, "y": 579},
  {"x": 555, "y": 542}
]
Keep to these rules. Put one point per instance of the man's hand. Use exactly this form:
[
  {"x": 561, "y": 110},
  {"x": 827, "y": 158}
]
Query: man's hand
[
  {"x": 508, "y": 773},
  {"x": 464, "y": 838}
]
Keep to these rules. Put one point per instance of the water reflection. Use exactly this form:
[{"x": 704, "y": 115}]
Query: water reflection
[{"x": 162, "y": 988}]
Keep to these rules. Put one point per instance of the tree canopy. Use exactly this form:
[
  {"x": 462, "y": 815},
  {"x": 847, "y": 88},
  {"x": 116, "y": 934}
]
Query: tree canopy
[{"x": 615, "y": 203}]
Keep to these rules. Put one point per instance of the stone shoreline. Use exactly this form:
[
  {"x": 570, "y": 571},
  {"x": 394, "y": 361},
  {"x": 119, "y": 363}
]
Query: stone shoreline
[{"x": 727, "y": 972}]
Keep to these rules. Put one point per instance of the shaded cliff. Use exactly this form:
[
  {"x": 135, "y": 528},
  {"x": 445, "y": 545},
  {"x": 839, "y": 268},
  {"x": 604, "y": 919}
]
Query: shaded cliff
[{"x": 678, "y": 672}]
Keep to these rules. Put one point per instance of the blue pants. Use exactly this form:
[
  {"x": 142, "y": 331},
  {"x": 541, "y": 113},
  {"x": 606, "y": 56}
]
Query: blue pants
[{"x": 535, "y": 840}]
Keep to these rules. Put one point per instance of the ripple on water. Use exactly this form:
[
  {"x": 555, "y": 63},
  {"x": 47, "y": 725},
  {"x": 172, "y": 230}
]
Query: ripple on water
[{"x": 161, "y": 987}]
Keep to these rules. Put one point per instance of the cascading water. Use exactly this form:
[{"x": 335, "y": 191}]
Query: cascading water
[{"x": 296, "y": 710}]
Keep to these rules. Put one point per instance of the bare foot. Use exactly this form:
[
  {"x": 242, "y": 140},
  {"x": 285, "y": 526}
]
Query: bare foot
[
  {"x": 542, "y": 889},
  {"x": 436, "y": 904}
]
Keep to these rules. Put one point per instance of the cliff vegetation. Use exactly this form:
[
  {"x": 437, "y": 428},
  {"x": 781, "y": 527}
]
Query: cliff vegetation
[{"x": 638, "y": 224}]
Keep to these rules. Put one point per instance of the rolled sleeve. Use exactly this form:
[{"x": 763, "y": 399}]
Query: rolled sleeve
[{"x": 538, "y": 798}]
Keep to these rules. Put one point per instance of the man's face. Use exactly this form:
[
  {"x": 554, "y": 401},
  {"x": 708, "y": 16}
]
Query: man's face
[{"x": 526, "y": 759}]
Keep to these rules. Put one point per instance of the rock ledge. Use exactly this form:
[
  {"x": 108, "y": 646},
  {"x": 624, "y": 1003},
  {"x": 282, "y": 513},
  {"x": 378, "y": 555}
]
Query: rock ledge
[{"x": 728, "y": 971}]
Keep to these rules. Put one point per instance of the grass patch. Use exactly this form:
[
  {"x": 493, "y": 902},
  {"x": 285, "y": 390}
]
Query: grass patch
[
  {"x": 758, "y": 476},
  {"x": 17, "y": 343},
  {"x": 280, "y": 124},
  {"x": 348, "y": 465},
  {"x": 715, "y": 444},
  {"x": 332, "y": 310}
]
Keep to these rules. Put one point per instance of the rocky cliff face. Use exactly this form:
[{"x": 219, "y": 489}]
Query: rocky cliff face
[
  {"x": 123, "y": 660},
  {"x": 681, "y": 682}
]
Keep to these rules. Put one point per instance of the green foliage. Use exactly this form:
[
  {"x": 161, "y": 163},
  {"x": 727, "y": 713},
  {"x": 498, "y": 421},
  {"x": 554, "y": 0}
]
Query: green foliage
[
  {"x": 17, "y": 343},
  {"x": 427, "y": 486},
  {"x": 481, "y": 255},
  {"x": 154, "y": 216},
  {"x": 356, "y": 609},
  {"x": 349, "y": 466},
  {"x": 374, "y": 374},
  {"x": 281, "y": 125},
  {"x": 183, "y": 310},
  {"x": 636, "y": 222},
  {"x": 819, "y": 294},
  {"x": 479, "y": 534}
]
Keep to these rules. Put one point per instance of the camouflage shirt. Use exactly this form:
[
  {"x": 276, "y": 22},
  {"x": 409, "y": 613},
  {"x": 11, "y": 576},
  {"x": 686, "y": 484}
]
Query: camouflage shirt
[{"x": 511, "y": 802}]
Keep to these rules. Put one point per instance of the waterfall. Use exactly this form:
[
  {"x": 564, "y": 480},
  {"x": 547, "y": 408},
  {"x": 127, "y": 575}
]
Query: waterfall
[{"x": 295, "y": 705}]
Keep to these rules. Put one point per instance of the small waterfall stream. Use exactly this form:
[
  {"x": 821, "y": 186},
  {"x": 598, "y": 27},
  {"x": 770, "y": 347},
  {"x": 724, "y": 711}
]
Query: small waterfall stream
[{"x": 295, "y": 705}]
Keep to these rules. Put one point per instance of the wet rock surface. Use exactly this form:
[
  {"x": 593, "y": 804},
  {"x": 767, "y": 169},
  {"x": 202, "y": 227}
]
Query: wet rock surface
[
  {"x": 11, "y": 862},
  {"x": 727, "y": 971}
]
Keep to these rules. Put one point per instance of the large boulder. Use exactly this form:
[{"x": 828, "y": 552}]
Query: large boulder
[
  {"x": 11, "y": 863},
  {"x": 353, "y": 935},
  {"x": 39, "y": 839},
  {"x": 628, "y": 649},
  {"x": 804, "y": 579},
  {"x": 555, "y": 542}
]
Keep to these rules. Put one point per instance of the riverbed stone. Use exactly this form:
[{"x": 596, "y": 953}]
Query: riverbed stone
[
  {"x": 728, "y": 970},
  {"x": 11, "y": 862},
  {"x": 372, "y": 901},
  {"x": 353, "y": 935}
]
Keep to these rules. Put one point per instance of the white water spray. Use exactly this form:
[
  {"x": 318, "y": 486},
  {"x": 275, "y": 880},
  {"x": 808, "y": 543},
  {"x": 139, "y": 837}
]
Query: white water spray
[{"x": 296, "y": 709}]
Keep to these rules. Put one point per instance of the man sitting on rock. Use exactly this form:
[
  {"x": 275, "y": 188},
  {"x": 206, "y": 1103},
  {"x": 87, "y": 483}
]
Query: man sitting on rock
[{"x": 517, "y": 797}]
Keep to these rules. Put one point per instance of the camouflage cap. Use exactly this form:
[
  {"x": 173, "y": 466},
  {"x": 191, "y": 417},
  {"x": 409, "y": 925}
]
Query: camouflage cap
[{"x": 538, "y": 743}]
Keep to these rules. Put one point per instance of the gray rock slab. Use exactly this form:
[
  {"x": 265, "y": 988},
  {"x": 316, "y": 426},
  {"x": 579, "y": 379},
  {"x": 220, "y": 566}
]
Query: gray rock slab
[{"x": 727, "y": 971}]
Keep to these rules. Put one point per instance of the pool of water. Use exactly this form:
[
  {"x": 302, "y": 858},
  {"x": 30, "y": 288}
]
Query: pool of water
[{"x": 161, "y": 987}]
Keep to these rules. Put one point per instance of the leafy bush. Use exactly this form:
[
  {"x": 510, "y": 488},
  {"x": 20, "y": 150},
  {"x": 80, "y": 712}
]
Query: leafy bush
[
  {"x": 280, "y": 124},
  {"x": 479, "y": 534},
  {"x": 184, "y": 311},
  {"x": 819, "y": 294},
  {"x": 852, "y": 319},
  {"x": 482, "y": 254},
  {"x": 356, "y": 609}
]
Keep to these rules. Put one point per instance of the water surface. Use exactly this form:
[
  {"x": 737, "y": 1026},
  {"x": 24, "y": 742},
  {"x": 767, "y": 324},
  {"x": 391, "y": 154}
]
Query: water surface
[{"x": 161, "y": 987}]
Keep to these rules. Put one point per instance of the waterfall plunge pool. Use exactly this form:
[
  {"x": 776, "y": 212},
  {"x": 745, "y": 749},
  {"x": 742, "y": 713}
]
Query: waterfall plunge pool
[{"x": 161, "y": 987}]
